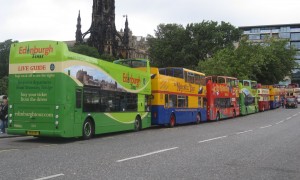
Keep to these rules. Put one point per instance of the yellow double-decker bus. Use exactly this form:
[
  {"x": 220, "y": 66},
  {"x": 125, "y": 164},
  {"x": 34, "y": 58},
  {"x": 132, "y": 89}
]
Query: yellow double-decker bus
[
  {"x": 178, "y": 96},
  {"x": 274, "y": 96}
]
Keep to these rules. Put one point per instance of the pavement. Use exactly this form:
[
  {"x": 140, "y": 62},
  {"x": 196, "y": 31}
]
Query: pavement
[{"x": 5, "y": 135}]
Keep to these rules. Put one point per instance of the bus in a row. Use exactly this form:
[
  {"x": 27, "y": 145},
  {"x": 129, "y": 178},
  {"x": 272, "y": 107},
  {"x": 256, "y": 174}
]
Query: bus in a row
[
  {"x": 248, "y": 97},
  {"x": 178, "y": 96},
  {"x": 57, "y": 93}
]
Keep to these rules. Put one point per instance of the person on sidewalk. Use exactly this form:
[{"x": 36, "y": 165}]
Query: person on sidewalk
[{"x": 4, "y": 114}]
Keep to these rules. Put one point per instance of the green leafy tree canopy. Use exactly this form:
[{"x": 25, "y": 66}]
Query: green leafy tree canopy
[
  {"x": 267, "y": 63},
  {"x": 175, "y": 45},
  {"x": 4, "y": 62}
]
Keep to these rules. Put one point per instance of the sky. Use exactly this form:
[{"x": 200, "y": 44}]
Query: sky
[{"x": 25, "y": 20}]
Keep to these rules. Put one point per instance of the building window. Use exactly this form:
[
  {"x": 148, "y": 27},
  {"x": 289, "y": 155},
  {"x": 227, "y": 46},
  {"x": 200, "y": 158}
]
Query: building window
[
  {"x": 254, "y": 37},
  {"x": 284, "y": 35},
  {"x": 285, "y": 29},
  {"x": 255, "y": 30},
  {"x": 295, "y": 36},
  {"x": 295, "y": 44},
  {"x": 264, "y": 36}
]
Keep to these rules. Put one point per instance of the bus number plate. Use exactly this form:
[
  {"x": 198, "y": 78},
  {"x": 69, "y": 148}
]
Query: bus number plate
[{"x": 33, "y": 133}]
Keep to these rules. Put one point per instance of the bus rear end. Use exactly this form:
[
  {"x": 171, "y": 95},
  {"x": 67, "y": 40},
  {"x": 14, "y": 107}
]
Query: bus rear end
[{"x": 36, "y": 89}]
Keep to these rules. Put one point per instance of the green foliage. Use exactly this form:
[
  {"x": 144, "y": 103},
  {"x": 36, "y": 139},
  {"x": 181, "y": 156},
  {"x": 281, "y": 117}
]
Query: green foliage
[
  {"x": 174, "y": 45},
  {"x": 4, "y": 85},
  {"x": 4, "y": 57},
  {"x": 4, "y": 62},
  {"x": 85, "y": 50},
  {"x": 267, "y": 63},
  {"x": 90, "y": 51}
]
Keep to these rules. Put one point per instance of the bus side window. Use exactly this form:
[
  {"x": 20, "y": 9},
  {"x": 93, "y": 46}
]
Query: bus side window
[{"x": 78, "y": 98}]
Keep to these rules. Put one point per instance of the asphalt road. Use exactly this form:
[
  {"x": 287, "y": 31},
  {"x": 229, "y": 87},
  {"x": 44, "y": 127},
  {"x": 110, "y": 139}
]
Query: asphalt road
[{"x": 259, "y": 146}]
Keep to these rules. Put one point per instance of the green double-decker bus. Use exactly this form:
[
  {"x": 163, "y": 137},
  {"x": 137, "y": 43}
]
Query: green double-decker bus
[
  {"x": 57, "y": 93},
  {"x": 248, "y": 97}
]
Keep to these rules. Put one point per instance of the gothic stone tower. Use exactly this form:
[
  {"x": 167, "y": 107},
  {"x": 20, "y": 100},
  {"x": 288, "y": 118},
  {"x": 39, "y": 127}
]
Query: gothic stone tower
[
  {"x": 78, "y": 33},
  {"x": 103, "y": 30}
]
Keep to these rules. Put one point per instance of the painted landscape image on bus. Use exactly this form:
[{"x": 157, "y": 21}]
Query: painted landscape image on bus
[
  {"x": 249, "y": 99},
  {"x": 94, "y": 77}
]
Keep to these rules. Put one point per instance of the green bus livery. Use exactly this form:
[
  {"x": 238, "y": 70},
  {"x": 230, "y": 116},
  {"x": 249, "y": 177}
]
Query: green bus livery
[
  {"x": 248, "y": 97},
  {"x": 57, "y": 93}
]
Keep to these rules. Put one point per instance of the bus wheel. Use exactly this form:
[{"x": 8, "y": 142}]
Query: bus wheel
[
  {"x": 87, "y": 130},
  {"x": 137, "y": 124},
  {"x": 198, "y": 118},
  {"x": 172, "y": 120},
  {"x": 218, "y": 116}
]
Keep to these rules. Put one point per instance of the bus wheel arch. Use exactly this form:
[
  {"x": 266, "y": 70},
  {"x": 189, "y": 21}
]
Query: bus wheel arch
[
  {"x": 172, "y": 120},
  {"x": 138, "y": 123},
  {"x": 88, "y": 128}
]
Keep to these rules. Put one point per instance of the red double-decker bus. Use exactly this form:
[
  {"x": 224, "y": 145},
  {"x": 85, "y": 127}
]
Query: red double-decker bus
[{"x": 222, "y": 97}]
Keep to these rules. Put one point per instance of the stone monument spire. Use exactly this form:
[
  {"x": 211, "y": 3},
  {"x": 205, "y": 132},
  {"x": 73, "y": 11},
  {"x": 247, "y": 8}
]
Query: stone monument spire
[
  {"x": 78, "y": 36},
  {"x": 103, "y": 30}
]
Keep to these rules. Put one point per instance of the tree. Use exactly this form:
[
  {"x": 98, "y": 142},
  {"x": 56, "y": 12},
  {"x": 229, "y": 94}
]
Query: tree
[
  {"x": 4, "y": 62},
  {"x": 175, "y": 45},
  {"x": 4, "y": 85},
  {"x": 208, "y": 37},
  {"x": 85, "y": 50},
  {"x": 167, "y": 47},
  {"x": 90, "y": 51},
  {"x": 267, "y": 63}
]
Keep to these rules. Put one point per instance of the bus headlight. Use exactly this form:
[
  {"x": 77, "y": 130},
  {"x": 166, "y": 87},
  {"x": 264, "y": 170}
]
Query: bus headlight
[
  {"x": 56, "y": 107},
  {"x": 56, "y": 116}
]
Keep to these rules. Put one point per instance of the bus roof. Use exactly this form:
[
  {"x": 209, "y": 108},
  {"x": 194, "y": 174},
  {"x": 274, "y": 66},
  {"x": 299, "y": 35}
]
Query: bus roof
[{"x": 184, "y": 69}]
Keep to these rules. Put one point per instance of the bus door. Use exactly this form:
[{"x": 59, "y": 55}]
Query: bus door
[{"x": 78, "y": 105}]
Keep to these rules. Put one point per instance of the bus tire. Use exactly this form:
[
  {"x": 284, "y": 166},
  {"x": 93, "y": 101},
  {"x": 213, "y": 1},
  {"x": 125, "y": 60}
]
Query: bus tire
[
  {"x": 87, "y": 129},
  {"x": 218, "y": 116},
  {"x": 137, "y": 124},
  {"x": 172, "y": 120},
  {"x": 198, "y": 118}
]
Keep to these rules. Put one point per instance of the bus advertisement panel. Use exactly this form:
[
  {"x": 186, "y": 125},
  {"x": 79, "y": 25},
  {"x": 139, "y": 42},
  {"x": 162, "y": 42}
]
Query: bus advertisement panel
[
  {"x": 58, "y": 93},
  {"x": 248, "y": 97},
  {"x": 178, "y": 96},
  {"x": 222, "y": 97},
  {"x": 263, "y": 98}
]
